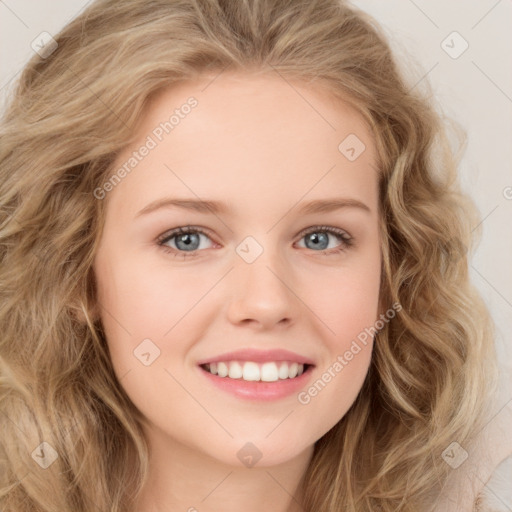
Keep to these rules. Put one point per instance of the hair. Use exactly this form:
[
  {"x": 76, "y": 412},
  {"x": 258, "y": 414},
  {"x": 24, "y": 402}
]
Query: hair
[{"x": 433, "y": 367}]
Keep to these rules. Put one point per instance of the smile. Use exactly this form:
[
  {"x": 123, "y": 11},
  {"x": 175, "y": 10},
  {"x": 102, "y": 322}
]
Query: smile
[
  {"x": 252, "y": 371},
  {"x": 258, "y": 382}
]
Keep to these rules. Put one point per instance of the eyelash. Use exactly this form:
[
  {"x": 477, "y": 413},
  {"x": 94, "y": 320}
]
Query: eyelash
[{"x": 346, "y": 240}]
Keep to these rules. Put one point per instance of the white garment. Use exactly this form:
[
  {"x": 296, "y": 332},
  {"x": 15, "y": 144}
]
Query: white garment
[
  {"x": 483, "y": 482},
  {"x": 496, "y": 496}
]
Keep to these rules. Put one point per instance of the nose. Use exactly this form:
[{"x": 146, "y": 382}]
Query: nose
[{"x": 262, "y": 292}]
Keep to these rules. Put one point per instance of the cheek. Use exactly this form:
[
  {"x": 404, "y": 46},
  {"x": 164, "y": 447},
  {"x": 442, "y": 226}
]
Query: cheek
[
  {"x": 141, "y": 302},
  {"x": 143, "y": 299},
  {"x": 346, "y": 301},
  {"x": 132, "y": 310},
  {"x": 348, "y": 311}
]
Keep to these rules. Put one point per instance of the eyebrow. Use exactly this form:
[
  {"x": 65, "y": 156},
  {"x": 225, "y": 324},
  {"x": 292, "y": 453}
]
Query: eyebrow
[{"x": 216, "y": 207}]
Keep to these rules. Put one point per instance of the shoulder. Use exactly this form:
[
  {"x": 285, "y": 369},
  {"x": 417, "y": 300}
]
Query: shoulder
[
  {"x": 496, "y": 495},
  {"x": 493, "y": 482},
  {"x": 483, "y": 481}
]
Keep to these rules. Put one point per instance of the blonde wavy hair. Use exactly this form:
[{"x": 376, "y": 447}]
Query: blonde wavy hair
[{"x": 433, "y": 369}]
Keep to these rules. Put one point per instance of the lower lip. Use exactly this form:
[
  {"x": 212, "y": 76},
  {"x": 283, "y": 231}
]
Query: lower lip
[{"x": 258, "y": 390}]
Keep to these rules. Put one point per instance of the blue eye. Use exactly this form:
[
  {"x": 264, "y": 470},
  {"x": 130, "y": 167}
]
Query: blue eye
[
  {"x": 186, "y": 240},
  {"x": 319, "y": 236}
]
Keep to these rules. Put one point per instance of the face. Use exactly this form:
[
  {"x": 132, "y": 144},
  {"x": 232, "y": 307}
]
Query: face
[{"x": 263, "y": 267}]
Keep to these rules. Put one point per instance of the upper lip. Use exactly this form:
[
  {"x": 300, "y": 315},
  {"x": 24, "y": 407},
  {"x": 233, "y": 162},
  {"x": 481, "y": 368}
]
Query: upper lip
[{"x": 258, "y": 356}]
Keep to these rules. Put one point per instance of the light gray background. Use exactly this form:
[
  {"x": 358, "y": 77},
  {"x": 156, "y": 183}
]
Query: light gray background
[{"x": 475, "y": 89}]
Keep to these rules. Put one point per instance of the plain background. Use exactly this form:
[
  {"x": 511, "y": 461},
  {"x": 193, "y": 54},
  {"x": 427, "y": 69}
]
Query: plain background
[{"x": 474, "y": 88}]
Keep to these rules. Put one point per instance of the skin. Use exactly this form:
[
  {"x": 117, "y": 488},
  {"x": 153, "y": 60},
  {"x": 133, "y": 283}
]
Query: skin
[{"x": 263, "y": 147}]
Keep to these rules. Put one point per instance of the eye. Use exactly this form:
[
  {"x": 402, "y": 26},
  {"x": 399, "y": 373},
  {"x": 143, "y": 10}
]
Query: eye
[
  {"x": 186, "y": 240},
  {"x": 318, "y": 237}
]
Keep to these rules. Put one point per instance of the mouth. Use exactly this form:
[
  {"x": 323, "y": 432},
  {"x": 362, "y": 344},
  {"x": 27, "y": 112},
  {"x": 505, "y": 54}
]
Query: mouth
[
  {"x": 258, "y": 382},
  {"x": 250, "y": 371}
]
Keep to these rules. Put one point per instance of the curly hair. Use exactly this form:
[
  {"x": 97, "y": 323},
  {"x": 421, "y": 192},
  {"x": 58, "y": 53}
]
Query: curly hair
[{"x": 76, "y": 107}]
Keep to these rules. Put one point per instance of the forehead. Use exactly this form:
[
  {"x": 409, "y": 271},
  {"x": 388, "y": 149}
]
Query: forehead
[
  {"x": 259, "y": 103},
  {"x": 249, "y": 134}
]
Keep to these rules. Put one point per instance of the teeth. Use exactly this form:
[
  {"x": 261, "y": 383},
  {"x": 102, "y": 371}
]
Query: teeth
[
  {"x": 283, "y": 371},
  {"x": 222, "y": 369},
  {"x": 250, "y": 371},
  {"x": 269, "y": 372},
  {"x": 235, "y": 371}
]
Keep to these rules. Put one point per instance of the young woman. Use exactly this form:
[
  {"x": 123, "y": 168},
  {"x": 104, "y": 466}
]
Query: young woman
[{"x": 234, "y": 269}]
